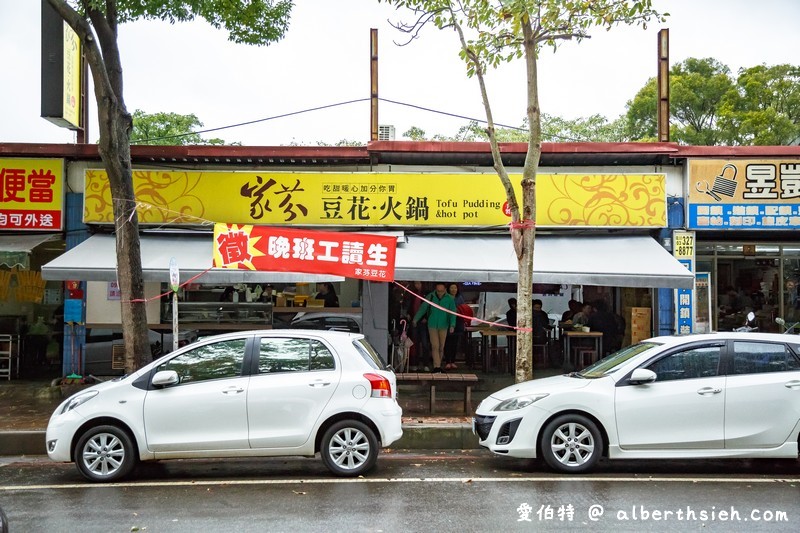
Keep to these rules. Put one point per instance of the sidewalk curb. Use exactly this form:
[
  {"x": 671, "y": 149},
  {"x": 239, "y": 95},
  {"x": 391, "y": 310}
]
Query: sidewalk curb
[
  {"x": 437, "y": 436},
  {"x": 415, "y": 437},
  {"x": 22, "y": 443}
]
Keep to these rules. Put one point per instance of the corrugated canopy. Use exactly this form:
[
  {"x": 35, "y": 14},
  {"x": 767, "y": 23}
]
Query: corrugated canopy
[
  {"x": 95, "y": 259},
  {"x": 15, "y": 249},
  {"x": 617, "y": 261}
]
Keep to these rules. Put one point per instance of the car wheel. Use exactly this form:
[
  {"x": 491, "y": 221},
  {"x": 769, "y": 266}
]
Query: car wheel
[
  {"x": 572, "y": 444},
  {"x": 349, "y": 448},
  {"x": 105, "y": 453}
]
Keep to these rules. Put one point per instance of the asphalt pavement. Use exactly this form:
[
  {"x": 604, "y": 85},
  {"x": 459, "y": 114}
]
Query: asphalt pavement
[{"x": 424, "y": 490}]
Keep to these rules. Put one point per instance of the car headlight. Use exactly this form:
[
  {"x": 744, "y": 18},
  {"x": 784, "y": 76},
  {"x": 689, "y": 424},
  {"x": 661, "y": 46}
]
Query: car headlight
[
  {"x": 78, "y": 399},
  {"x": 513, "y": 404}
]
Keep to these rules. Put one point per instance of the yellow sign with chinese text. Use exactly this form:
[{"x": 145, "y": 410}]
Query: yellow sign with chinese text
[
  {"x": 379, "y": 199},
  {"x": 31, "y": 194},
  {"x": 744, "y": 193},
  {"x": 72, "y": 77}
]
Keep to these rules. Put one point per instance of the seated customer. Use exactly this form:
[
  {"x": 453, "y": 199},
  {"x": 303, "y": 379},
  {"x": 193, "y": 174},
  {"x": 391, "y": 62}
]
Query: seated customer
[
  {"x": 511, "y": 314},
  {"x": 582, "y": 318},
  {"x": 541, "y": 323}
]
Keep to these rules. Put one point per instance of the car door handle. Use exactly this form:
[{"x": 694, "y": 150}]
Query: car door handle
[
  {"x": 319, "y": 384},
  {"x": 230, "y": 390},
  {"x": 794, "y": 384},
  {"x": 707, "y": 391}
]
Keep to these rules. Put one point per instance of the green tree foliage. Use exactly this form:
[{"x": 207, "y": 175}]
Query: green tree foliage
[
  {"x": 709, "y": 107},
  {"x": 697, "y": 89},
  {"x": 168, "y": 129},
  {"x": 492, "y": 33},
  {"x": 96, "y": 22},
  {"x": 764, "y": 107}
]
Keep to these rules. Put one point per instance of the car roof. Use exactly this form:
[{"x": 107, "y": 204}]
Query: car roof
[
  {"x": 725, "y": 335},
  {"x": 304, "y": 315},
  {"x": 287, "y": 332}
]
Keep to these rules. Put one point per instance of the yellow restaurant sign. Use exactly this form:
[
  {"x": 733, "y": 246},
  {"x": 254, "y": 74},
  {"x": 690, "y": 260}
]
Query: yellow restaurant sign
[
  {"x": 72, "y": 77},
  {"x": 31, "y": 194},
  {"x": 379, "y": 199}
]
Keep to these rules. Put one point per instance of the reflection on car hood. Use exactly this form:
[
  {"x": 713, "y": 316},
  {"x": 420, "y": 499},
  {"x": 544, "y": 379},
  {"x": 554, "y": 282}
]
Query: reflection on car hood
[{"x": 544, "y": 385}]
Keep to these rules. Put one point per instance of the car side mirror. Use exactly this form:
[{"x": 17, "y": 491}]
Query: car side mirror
[
  {"x": 165, "y": 378},
  {"x": 642, "y": 375}
]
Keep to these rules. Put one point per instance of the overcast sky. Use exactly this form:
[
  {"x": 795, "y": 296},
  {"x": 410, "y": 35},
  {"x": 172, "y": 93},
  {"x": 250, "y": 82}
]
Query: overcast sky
[{"x": 324, "y": 59}]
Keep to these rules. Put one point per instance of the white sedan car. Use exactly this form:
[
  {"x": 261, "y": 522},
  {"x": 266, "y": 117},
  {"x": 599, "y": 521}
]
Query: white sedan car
[
  {"x": 256, "y": 393},
  {"x": 719, "y": 395}
]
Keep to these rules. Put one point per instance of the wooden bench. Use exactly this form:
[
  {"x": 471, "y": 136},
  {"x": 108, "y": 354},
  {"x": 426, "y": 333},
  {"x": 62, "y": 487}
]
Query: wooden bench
[{"x": 467, "y": 380}]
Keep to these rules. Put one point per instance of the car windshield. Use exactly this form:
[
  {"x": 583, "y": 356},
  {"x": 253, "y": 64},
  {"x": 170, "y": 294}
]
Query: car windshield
[
  {"x": 611, "y": 362},
  {"x": 369, "y": 354}
]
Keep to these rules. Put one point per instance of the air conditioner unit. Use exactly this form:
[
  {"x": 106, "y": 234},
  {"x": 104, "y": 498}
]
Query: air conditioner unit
[{"x": 385, "y": 133}]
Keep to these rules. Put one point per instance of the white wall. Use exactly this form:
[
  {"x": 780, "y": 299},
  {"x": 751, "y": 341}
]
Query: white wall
[{"x": 101, "y": 310}]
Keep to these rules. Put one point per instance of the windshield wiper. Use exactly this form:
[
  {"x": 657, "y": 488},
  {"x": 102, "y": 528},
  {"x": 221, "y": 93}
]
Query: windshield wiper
[{"x": 575, "y": 375}]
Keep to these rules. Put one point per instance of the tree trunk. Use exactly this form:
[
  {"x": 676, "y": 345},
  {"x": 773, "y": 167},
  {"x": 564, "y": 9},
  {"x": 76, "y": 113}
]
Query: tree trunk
[
  {"x": 524, "y": 243},
  {"x": 115, "y": 126}
]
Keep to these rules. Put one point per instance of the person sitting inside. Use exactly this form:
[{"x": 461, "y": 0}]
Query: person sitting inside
[
  {"x": 603, "y": 320},
  {"x": 582, "y": 318},
  {"x": 574, "y": 309},
  {"x": 541, "y": 323},
  {"x": 511, "y": 314},
  {"x": 328, "y": 293}
]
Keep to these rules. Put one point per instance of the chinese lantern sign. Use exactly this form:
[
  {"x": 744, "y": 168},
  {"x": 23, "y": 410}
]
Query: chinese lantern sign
[{"x": 351, "y": 255}]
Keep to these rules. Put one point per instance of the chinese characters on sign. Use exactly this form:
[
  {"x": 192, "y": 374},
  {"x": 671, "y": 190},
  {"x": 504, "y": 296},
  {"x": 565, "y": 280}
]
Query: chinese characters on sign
[
  {"x": 378, "y": 199},
  {"x": 31, "y": 194},
  {"x": 683, "y": 243},
  {"x": 352, "y": 255},
  {"x": 744, "y": 194}
]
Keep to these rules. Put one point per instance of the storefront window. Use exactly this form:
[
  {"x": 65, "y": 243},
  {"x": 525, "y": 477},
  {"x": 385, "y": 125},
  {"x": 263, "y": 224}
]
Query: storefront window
[
  {"x": 791, "y": 288},
  {"x": 750, "y": 277}
]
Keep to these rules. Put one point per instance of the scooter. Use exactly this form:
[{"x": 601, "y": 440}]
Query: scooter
[
  {"x": 751, "y": 316},
  {"x": 787, "y": 328}
]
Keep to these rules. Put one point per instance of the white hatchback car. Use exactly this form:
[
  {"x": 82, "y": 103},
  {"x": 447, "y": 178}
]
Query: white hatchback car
[
  {"x": 720, "y": 395},
  {"x": 256, "y": 393}
]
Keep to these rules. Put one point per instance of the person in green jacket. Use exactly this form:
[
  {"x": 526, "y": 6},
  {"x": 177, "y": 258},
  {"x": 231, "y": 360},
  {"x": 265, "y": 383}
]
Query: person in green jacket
[{"x": 440, "y": 321}]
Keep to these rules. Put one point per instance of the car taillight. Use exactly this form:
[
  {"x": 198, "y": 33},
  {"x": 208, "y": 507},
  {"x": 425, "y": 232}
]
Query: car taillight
[
  {"x": 381, "y": 387},
  {"x": 182, "y": 343}
]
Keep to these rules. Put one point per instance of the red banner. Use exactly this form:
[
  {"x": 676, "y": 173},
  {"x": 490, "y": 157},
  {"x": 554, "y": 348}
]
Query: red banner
[{"x": 351, "y": 255}]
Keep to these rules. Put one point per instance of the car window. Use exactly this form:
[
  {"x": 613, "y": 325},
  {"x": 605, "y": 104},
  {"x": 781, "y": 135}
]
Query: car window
[
  {"x": 758, "y": 357},
  {"x": 368, "y": 353},
  {"x": 308, "y": 323},
  {"x": 615, "y": 360},
  {"x": 218, "y": 360},
  {"x": 699, "y": 362},
  {"x": 103, "y": 335},
  {"x": 341, "y": 323},
  {"x": 278, "y": 354}
]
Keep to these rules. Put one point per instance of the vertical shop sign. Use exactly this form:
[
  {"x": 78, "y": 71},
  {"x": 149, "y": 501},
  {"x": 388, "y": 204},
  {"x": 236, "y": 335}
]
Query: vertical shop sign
[
  {"x": 683, "y": 245},
  {"x": 702, "y": 302}
]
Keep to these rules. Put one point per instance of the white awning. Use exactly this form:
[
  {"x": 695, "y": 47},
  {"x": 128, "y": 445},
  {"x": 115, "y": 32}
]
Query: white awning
[
  {"x": 95, "y": 259},
  {"x": 617, "y": 261},
  {"x": 15, "y": 249}
]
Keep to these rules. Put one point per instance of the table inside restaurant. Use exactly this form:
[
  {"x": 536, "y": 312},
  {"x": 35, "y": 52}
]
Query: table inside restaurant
[
  {"x": 570, "y": 334},
  {"x": 489, "y": 337}
]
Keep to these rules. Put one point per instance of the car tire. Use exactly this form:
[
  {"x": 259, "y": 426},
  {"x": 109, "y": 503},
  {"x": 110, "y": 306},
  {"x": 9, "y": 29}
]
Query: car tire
[
  {"x": 104, "y": 454},
  {"x": 349, "y": 448},
  {"x": 571, "y": 444}
]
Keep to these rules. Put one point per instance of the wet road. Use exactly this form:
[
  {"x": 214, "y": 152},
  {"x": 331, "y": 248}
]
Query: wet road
[{"x": 435, "y": 491}]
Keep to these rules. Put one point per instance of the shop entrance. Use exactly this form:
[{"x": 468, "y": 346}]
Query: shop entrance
[{"x": 762, "y": 278}]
